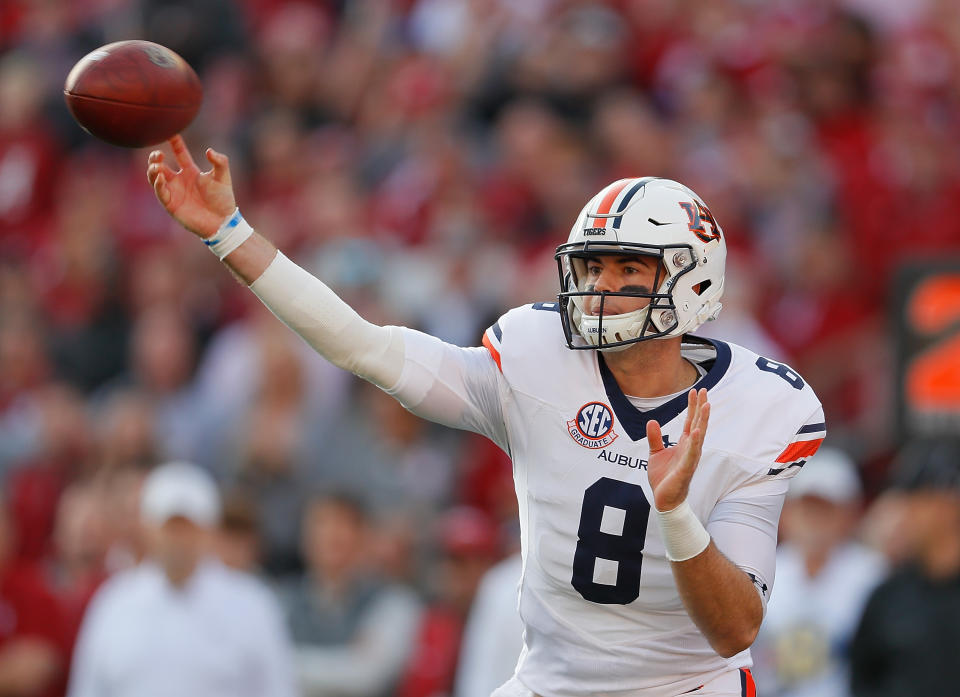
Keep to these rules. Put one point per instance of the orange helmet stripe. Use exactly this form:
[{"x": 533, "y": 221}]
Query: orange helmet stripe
[{"x": 606, "y": 203}]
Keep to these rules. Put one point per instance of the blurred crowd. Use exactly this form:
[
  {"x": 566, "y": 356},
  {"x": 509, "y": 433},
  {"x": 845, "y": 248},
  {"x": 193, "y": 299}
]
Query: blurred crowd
[{"x": 424, "y": 158}]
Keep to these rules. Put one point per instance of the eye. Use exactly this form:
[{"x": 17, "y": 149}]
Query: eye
[
  {"x": 630, "y": 269},
  {"x": 594, "y": 269}
]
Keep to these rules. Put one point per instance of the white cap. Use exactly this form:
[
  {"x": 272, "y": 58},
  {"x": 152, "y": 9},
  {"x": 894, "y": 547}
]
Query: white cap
[
  {"x": 180, "y": 489},
  {"x": 831, "y": 474}
]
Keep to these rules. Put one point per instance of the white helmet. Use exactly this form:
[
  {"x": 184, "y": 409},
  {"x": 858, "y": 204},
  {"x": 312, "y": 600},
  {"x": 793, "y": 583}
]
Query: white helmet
[{"x": 652, "y": 217}]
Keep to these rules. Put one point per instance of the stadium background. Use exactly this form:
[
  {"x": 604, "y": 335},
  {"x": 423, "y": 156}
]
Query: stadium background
[{"x": 424, "y": 157}]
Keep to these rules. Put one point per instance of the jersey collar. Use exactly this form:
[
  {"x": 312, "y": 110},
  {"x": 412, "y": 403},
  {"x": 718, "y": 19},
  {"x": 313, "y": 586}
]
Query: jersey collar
[{"x": 635, "y": 421}]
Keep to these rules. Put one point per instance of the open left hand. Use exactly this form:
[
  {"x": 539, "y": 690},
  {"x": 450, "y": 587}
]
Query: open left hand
[{"x": 671, "y": 469}]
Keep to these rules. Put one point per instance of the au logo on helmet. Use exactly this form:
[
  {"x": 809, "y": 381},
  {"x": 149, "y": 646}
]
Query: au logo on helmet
[
  {"x": 700, "y": 216},
  {"x": 593, "y": 427}
]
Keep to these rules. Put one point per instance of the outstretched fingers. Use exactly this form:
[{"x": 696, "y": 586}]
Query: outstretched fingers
[
  {"x": 698, "y": 428},
  {"x": 161, "y": 189},
  {"x": 181, "y": 153},
  {"x": 691, "y": 410},
  {"x": 221, "y": 166},
  {"x": 158, "y": 167}
]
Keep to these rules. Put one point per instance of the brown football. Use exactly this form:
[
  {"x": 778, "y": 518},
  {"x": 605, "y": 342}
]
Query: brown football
[{"x": 133, "y": 93}]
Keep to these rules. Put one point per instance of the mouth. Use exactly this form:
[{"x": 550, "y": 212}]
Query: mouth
[
  {"x": 608, "y": 310},
  {"x": 611, "y": 307}
]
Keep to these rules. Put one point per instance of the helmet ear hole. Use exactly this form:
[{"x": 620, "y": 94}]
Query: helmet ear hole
[{"x": 702, "y": 287}]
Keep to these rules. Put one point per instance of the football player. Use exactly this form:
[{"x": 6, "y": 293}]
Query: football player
[{"x": 648, "y": 541}]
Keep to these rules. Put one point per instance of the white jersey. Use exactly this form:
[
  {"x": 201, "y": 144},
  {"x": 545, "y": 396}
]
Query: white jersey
[{"x": 601, "y": 611}]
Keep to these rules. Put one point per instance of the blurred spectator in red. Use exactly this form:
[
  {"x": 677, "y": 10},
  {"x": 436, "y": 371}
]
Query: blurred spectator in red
[
  {"x": 77, "y": 566},
  {"x": 199, "y": 30},
  {"x": 24, "y": 368},
  {"x": 352, "y": 630},
  {"x": 76, "y": 274},
  {"x": 34, "y": 486},
  {"x": 292, "y": 45},
  {"x": 631, "y": 136},
  {"x": 469, "y": 545},
  {"x": 33, "y": 652},
  {"x": 24, "y": 363},
  {"x": 29, "y": 156},
  {"x": 486, "y": 481}
]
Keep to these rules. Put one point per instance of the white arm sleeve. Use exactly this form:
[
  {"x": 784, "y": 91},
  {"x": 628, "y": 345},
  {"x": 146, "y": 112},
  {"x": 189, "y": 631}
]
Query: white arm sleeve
[
  {"x": 454, "y": 386},
  {"x": 306, "y": 305},
  {"x": 744, "y": 525}
]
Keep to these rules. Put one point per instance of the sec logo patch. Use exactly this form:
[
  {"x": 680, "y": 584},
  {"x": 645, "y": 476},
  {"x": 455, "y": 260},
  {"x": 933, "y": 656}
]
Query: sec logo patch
[{"x": 593, "y": 427}]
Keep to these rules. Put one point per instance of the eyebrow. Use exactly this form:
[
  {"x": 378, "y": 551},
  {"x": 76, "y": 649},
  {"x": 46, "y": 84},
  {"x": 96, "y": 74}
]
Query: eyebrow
[{"x": 619, "y": 260}]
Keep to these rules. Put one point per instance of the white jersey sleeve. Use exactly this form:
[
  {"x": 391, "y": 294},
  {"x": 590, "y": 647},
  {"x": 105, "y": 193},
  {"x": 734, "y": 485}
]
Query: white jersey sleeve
[
  {"x": 744, "y": 528},
  {"x": 780, "y": 423},
  {"x": 451, "y": 385}
]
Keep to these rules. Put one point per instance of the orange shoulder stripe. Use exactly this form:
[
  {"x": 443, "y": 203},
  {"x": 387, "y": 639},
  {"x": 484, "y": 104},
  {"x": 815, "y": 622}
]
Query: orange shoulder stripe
[
  {"x": 493, "y": 351},
  {"x": 802, "y": 448}
]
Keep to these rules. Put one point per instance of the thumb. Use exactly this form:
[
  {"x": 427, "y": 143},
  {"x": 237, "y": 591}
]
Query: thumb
[{"x": 221, "y": 166}]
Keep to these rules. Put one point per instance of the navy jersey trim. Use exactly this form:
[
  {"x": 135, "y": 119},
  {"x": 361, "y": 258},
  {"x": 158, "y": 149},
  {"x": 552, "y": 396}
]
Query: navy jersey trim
[{"x": 635, "y": 421}]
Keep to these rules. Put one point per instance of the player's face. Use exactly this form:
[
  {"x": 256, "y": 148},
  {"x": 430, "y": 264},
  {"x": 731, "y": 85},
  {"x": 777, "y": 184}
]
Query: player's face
[{"x": 626, "y": 274}]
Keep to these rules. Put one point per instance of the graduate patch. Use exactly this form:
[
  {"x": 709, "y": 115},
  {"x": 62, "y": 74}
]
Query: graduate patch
[{"x": 593, "y": 427}]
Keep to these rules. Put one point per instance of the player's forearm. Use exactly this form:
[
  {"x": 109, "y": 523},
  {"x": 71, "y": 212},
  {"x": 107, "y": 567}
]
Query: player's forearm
[
  {"x": 251, "y": 259},
  {"x": 721, "y": 600}
]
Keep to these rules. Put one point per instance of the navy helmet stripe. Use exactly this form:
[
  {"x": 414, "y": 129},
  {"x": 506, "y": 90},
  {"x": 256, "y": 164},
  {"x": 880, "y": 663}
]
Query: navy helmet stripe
[
  {"x": 497, "y": 331},
  {"x": 626, "y": 199}
]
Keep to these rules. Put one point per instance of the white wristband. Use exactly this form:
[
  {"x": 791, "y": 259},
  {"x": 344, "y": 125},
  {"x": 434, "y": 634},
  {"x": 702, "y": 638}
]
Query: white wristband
[
  {"x": 683, "y": 535},
  {"x": 232, "y": 233}
]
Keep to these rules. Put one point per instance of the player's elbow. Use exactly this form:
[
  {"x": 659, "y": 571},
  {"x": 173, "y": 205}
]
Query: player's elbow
[{"x": 735, "y": 641}]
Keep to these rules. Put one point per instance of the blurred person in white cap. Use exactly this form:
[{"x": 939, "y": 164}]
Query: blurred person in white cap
[
  {"x": 824, "y": 578},
  {"x": 180, "y": 622}
]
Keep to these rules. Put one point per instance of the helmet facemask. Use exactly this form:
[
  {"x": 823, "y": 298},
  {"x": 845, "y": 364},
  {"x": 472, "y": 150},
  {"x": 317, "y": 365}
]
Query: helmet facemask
[{"x": 657, "y": 319}]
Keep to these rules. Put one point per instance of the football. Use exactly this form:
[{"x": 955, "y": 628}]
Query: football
[{"x": 133, "y": 93}]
